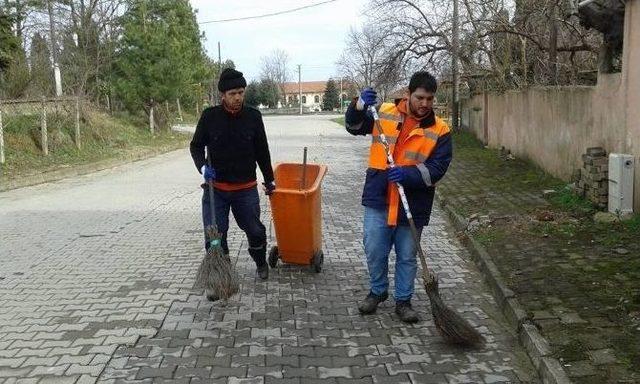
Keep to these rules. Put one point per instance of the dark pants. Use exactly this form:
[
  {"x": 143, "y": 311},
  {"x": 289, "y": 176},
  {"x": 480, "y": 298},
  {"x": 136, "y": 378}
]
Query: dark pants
[{"x": 245, "y": 206}]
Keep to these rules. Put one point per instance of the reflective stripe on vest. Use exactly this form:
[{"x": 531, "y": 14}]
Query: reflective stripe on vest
[
  {"x": 415, "y": 156},
  {"x": 391, "y": 117},
  {"x": 390, "y": 139},
  {"x": 431, "y": 134}
]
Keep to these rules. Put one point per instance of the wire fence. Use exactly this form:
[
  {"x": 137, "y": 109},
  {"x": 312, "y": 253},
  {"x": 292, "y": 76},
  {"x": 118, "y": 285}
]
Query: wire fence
[
  {"x": 50, "y": 123},
  {"x": 54, "y": 123}
]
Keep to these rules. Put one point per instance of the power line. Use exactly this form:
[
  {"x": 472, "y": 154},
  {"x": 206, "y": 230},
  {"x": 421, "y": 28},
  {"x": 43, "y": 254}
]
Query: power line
[{"x": 268, "y": 14}]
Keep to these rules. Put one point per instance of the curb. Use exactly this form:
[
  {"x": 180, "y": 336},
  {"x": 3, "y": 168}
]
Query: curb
[
  {"x": 83, "y": 169},
  {"x": 537, "y": 347}
]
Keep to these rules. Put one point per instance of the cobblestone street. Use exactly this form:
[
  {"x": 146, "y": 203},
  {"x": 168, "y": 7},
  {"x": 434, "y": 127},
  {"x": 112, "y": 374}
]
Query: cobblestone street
[{"x": 96, "y": 276}]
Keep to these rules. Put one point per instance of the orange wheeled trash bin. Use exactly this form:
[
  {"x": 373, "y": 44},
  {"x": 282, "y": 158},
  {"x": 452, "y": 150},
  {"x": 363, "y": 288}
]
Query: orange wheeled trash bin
[{"x": 297, "y": 215}]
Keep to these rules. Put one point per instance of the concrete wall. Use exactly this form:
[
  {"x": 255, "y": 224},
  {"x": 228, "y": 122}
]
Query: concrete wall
[{"x": 553, "y": 127}]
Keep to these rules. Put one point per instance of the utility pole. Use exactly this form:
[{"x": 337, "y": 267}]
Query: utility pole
[
  {"x": 455, "y": 96},
  {"x": 215, "y": 86},
  {"x": 54, "y": 50},
  {"x": 300, "y": 87},
  {"x": 341, "y": 101}
]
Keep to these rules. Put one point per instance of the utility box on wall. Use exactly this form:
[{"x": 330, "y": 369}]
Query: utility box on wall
[{"x": 621, "y": 171}]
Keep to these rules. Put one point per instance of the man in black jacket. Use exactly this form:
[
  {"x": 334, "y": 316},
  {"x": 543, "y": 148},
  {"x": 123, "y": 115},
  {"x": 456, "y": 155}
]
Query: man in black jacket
[{"x": 235, "y": 140}]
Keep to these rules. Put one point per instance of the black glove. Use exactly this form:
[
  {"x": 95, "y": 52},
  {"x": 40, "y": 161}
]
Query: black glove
[{"x": 269, "y": 188}]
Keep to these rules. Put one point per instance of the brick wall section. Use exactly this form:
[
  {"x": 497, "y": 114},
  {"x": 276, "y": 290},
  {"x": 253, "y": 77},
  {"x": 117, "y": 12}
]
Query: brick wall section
[{"x": 593, "y": 181}]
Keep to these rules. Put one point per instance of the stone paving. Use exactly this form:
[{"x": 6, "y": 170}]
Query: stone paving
[
  {"x": 574, "y": 284},
  {"x": 96, "y": 277}
]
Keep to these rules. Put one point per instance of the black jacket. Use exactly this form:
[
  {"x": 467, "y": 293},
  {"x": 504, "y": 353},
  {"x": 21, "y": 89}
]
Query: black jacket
[{"x": 237, "y": 143}]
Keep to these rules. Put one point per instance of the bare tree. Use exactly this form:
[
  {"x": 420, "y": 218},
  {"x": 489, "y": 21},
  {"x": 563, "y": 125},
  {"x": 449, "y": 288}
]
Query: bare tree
[
  {"x": 368, "y": 60},
  {"x": 86, "y": 32},
  {"x": 275, "y": 68},
  {"x": 91, "y": 34},
  {"x": 503, "y": 44}
]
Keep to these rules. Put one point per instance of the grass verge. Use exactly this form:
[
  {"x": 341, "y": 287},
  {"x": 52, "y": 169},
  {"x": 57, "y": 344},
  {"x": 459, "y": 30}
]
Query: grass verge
[{"x": 102, "y": 137}]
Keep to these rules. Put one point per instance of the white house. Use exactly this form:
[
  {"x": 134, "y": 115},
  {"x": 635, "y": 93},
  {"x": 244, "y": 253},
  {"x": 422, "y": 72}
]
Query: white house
[{"x": 312, "y": 94}]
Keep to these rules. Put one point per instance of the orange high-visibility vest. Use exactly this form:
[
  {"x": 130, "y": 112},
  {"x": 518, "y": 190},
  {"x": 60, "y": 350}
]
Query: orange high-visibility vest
[{"x": 415, "y": 148}]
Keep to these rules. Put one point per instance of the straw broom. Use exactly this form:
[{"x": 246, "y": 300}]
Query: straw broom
[
  {"x": 216, "y": 274},
  {"x": 453, "y": 328}
]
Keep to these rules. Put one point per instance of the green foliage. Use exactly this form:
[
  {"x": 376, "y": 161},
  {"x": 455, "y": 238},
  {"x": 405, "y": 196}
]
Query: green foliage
[
  {"x": 331, "y": 98},
  {"x": 9, "y": 43},
  {"x": 160, "y": 54},
  {"x": 264, "y": 92},
  {"x": 570, "y": 202},
  {"x": 16, "y": 78},
  {"x": 268, "y": 93},
  {"x": 251, "y": 94},
  {"x": 14, "y": 72}
]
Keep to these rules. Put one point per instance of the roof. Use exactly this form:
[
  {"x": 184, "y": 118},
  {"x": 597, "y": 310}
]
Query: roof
[{"x": 307, "y": 87}]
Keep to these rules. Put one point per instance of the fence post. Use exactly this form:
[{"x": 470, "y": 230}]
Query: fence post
[
  {"x": 77, "y": 135},
  {"x": 1, "y": 140},
  {"x": 151, "y": 122},
  {"x": 43, "y": 129},
  {"x": 179, "y": 110}
]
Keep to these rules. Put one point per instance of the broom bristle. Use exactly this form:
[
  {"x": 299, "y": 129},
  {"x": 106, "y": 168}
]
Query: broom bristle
[
  {"x": 453, "y": 327},
  {"x": 216, "y": 272}
]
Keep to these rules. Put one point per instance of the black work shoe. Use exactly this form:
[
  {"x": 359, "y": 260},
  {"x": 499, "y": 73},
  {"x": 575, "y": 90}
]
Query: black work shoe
[
  {"x": 263, "y": 271},
  {"x": 370, "y": 303},
  {"x": 406, "y": 313}
]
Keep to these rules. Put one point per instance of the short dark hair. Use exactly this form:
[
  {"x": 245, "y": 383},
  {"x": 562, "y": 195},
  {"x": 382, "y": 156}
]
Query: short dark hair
[{"x": 423, "y": 79}]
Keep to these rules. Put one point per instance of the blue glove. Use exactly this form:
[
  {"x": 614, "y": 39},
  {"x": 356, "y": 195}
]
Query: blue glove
[
  {"x": 269, "y": 188},
  {"x": 208, "y": 173},
  {"x": 397, "y": 174},
  {"x": 367, "y": 97}
]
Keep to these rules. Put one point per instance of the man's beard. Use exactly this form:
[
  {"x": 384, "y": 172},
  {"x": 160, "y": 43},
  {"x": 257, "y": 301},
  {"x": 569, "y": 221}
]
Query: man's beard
[
  {"x": 233, "y": 107},
  {"x": 417, "y": 114}
]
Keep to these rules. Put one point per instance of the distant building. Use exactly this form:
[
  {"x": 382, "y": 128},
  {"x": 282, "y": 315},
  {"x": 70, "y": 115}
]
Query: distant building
[{"x": 312, "y": 94}]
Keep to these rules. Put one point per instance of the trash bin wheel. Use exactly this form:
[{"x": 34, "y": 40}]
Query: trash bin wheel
[
  {"x": 318, "y": 260},
  {"x": 273, "y": 257}
]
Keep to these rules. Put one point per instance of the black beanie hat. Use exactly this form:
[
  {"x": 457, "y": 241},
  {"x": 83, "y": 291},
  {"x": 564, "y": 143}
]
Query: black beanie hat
[{"x": 231, "y": 79}]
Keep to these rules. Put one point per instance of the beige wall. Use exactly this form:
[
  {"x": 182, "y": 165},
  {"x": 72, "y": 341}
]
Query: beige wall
[{"x": 553, "y": 127}]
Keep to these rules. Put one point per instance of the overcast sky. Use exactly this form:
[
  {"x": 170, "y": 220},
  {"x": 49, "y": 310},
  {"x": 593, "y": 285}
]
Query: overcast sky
[{"x": 313, "y": 37}]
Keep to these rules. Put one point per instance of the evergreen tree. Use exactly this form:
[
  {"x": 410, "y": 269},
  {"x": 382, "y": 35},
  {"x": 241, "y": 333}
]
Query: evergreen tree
[
  {"x": 14, "y": 72},
  {"x": 251, "y": 96},
  {"x": 331, "y": 96},
  {"x": 268, "y": 93},
  {"x": 9, "y": 43},
  {"x": 160, "y": 56}
]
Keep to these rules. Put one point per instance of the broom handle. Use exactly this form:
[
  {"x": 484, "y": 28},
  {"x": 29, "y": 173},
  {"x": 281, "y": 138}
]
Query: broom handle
[
  {"x": 304, "y": 168},
  {"x": 211, "y": 198},
  {"x": 426, "y": 272}
]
